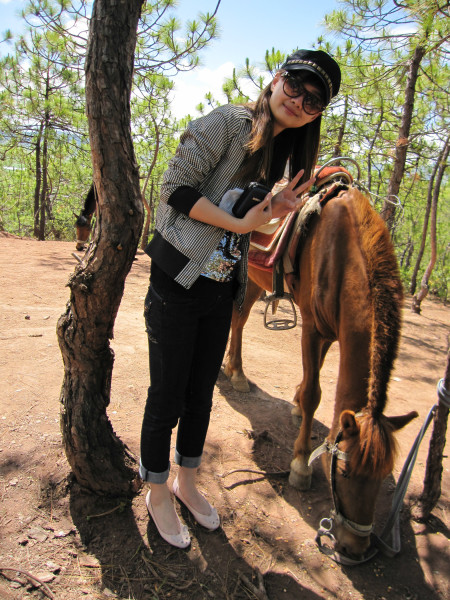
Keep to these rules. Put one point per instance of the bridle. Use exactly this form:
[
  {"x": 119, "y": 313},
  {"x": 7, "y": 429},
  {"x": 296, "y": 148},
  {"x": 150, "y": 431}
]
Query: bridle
[
  {"x": 392, "y": 525},
  {"x": 336, "y": 516}
]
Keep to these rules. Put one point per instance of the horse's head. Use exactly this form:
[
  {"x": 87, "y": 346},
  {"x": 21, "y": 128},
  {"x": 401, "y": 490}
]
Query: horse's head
[
  {"x": 83, "y": 229},
  {"x": 365, "y": 458}
]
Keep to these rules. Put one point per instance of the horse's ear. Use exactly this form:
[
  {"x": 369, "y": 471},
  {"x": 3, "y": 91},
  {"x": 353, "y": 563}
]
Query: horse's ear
[
  {"x": 399, "y": 422},
  {"x": 349, "y": 425}
]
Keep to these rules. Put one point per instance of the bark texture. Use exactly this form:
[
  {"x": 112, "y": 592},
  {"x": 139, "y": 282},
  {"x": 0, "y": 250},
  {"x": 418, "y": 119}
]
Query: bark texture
[
  {"x": 433, "y": 474},
  {"x": 99, "y": 460},
  {"x": 423, "y": 292},
  {"x": 401, "y": 147}
]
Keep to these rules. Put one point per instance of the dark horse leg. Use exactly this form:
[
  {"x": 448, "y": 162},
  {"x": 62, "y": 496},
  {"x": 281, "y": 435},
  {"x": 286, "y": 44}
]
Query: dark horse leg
[{"x": 233, "y": 365}]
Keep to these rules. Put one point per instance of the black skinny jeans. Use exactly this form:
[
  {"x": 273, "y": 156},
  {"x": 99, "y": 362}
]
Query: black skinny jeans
[{"x": 187, "y": 334}]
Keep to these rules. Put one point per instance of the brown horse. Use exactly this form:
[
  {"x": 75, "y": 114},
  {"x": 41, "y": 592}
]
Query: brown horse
[
  {"x": 347, "y": 286},
  {"x": 83, "y": 223}
]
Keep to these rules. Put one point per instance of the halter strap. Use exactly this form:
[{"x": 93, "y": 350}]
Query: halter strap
[
  {"x": 327, "y": 447},
  {"x": 336, "y": 515},
  {"x": 392, "y": 526}
]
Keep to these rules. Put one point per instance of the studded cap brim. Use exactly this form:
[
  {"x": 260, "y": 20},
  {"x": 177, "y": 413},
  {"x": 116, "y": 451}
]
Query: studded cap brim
[{"x": 309, "y": 65}]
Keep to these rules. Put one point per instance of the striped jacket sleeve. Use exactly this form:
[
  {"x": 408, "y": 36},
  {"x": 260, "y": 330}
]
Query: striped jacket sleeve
[{"x": 201, "y": 147}]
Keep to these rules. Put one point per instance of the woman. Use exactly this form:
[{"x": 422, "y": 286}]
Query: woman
[{"x": 199, "y": 264}]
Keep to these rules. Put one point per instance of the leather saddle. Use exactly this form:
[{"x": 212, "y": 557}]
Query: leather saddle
[{"x": 273, "y": 246}]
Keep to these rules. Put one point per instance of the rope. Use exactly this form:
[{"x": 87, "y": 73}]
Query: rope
[
  {"x": 392, "y": 524},
  {"x": 443, "y": 394}
]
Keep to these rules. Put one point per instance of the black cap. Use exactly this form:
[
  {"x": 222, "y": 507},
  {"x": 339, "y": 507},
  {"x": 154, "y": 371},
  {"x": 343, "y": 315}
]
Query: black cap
[{"x": 321, "y": 64}]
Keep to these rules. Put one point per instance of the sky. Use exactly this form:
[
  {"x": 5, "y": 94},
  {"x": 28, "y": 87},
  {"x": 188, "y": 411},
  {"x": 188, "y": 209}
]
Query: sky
[{"x": 247, "y": 29}]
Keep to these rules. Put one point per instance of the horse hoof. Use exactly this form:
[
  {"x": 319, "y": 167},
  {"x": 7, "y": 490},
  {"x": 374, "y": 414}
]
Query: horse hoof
[
  {"x": 240, "y": 384},
  {"x": 300, "y": 475},
  {"x": 300, "y": 482}
]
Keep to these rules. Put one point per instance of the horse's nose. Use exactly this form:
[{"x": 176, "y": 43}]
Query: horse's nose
[{"x": 353, "y": 547}]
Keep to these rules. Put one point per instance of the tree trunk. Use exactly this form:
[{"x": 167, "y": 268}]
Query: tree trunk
[
  {"x": 37, "y": 186},
  {"x": 99, "y": 460},
  {"x": 152, "y": 207},
  {"x": 372, "y": 146},
  {"x": 405, "y": 258},
  {"x": 412, "y": 287},
  {"x": 337, "y": 151},
  {"x": 401, "y": 147},
  {"x": 144, "y": 238},
  {"x": 433, "y": 473},
  {"x": 417, "y": 299},
  {"x": 44, "y": 186},
  {"x": 149, "y": 212},
  {"x": 423, "y": 241}
]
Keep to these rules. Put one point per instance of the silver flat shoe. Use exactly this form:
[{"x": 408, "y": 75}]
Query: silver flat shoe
[
  {"x": 211, "y": 521},
  {"x": 179, "y": 540}
]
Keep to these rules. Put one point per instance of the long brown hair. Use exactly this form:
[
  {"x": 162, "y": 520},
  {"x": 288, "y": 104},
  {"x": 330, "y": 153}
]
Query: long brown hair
[{"x": 268, "y": 156}]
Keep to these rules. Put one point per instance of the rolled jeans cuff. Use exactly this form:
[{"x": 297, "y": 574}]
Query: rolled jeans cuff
[
  {"x": 192, "y": 462},
  {"x": 153, "y": 477}
]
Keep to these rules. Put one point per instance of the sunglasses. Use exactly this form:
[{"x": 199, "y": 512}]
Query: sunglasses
[{"x": 294, "y": 88}]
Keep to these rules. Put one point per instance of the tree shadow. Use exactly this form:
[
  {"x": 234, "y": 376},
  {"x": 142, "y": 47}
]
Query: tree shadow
[
  {"x": 134, "y": 562},
  {"x": 273, "y": 441},
  {"x": 54, "y": 261}
]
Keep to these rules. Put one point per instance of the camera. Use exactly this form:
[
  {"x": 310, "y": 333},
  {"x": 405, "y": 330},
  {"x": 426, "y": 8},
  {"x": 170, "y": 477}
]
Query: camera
[{"x": 252, "y": 195}]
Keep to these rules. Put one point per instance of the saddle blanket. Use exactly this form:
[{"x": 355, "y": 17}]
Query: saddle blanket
[{"x": 279, "y": 238}]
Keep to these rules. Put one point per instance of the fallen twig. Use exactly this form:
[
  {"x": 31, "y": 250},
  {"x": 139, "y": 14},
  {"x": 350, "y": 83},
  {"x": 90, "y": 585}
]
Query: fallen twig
[
  {"x": 266, "y": 473},
  {"x": 260, "y": 591},
  {"x": 165, "y": 578},
  {"x": 120, "y": 506},
  {"x": 34, "y": 580}
]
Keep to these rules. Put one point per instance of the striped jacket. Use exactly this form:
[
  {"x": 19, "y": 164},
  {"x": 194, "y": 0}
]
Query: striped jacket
[{"x": 207, "y": 159}]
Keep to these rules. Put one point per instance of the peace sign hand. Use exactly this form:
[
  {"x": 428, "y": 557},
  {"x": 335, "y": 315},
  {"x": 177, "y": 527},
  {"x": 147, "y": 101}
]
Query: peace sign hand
[{"x": 289, "y": 199}]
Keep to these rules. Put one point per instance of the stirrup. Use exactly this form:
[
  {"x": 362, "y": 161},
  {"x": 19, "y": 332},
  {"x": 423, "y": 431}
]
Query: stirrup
[{"x": 280, "y": 324}]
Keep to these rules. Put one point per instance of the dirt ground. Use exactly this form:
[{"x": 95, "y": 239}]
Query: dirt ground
[{"x": 84, "y": 547}]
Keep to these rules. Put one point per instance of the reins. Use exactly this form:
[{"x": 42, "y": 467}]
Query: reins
[{"x": 391, "y": 528}]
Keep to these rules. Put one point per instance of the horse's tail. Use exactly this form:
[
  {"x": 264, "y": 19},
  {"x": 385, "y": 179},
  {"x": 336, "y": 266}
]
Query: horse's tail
[{"x": 386, "y": 296}]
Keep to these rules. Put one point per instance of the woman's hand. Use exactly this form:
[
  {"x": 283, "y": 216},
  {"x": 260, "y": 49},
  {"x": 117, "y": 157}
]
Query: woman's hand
[
  {"x": 288, "y": 199},
  {"x": 207, "y": 212},
  {"x": 270, "y": 208},
  {"x": 260, "y": 214}
]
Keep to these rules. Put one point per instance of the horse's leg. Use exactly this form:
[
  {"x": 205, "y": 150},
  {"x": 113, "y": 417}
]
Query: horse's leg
[
  {"x": 307, "y": 398},
  {"x": 353, "y": 378},
  {"x": 296, "y": 411},
  {"x": 233, "y": 365}
]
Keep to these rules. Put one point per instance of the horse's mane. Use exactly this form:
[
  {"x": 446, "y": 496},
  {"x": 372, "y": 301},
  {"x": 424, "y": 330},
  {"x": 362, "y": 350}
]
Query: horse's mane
[
  {"x": 82, "y": 221},
  {"x": 376, "y": 450},
  {"x": 386, "y": 296},
  {"x": 89, "y": 203},
  {"x": 373, "y": 451}
]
